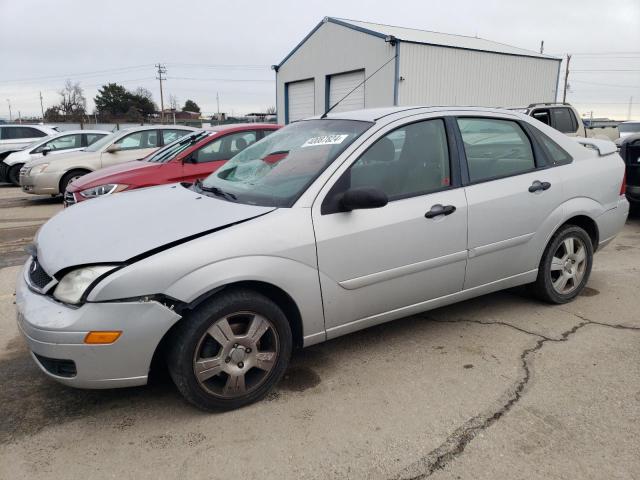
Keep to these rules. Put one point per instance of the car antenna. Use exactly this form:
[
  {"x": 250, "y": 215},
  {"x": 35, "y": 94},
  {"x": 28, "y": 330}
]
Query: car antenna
[{"x": 324, "y": 115}]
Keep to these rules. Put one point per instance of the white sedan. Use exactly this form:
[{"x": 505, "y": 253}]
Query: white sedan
[{"x": 68, "y": 141}]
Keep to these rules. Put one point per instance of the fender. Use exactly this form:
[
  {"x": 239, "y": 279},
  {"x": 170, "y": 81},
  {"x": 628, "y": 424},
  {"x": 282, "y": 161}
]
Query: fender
[
  {"x": 298, "y": 280},
  {"x": 577, "y": 206}
]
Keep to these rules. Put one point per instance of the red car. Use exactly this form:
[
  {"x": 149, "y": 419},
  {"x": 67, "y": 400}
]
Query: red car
[{"x": 188, "y": 159}]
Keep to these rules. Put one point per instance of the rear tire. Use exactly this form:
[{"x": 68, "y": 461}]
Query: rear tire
[
  {"x": 70, "y": 177},
  {"x": 14, "y": 174},
  {"x": 230, "y": 351},
  {"x": 565, "y": 266}
]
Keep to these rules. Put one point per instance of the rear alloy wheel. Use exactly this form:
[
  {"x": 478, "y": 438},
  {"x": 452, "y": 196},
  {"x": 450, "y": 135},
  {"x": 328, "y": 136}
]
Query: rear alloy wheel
[
  {"x": 14, "y": 174},
  {"x": 565, "y": 266},
  {"x": 230, "y": 351}
]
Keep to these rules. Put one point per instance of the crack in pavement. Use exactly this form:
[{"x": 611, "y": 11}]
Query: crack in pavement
[{"x": 457, "y": 441}]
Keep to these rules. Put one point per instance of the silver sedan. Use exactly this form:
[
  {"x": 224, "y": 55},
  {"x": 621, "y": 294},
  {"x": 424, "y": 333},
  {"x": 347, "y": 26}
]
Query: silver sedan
[{"x": 325, "y": 227}]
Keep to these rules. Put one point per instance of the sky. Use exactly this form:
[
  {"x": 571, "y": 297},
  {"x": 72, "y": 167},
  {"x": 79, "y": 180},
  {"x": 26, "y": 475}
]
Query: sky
[{"x": 215, "y": 49}]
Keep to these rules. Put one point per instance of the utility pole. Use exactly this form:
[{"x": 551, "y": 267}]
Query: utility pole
[
  {"x": 629, "y": 112},
  {"x": 566, "y": 79},
  {"x": 542, "y": 46},
  {"x": 161, "y": 71},
  {"x": 41, "y": 107},
  {"x": 9, "y": 103},
  {"x": 19, "y": 118},
  {"x": 218, "y": 102}
]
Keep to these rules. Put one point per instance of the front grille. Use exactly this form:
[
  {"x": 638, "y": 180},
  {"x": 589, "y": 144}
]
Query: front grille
[
  {"x": 55, "y": 366},
  {"x": 69, "y": 199},
  {"x": 37, "y": 276}
]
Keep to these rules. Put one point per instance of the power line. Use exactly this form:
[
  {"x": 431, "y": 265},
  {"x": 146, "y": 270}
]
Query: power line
[
  {"x": 75, "y": 75},
  {"x": 229, "y": 67},
  {"x": 607, "y": 70},
  {"x": 221, "y": 79},
  {"x": 605, "y": 84},
  {"x": 598, "y": 53}
]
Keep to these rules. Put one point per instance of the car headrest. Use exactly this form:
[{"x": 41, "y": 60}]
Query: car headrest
[
  {"x": 241, "y": 144},
  {"x": 382, "y": 151}
]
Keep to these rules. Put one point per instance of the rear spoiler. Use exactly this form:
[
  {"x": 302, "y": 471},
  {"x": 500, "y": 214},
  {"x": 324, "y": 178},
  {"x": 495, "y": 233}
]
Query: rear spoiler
[{"x": 603, "y": 147}]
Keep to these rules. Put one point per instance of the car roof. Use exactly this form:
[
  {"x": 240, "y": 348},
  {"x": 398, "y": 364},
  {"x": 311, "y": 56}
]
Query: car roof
[
  {"x": 70, "y": 132},
  {"x": 156, "y": 127},
  {"x": 31, "y": 125},
  {"x": 240, "y": 126},
  {"x": 375, "y": 114}
]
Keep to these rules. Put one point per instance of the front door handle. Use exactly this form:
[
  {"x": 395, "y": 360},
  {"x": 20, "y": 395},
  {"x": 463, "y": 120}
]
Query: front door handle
[
  {"x": 438, "y": 210},
  {"x": 538, "y": 186}
]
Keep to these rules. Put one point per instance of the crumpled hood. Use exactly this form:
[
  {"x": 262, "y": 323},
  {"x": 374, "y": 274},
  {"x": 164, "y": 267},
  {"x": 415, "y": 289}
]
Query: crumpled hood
[
  {"x": 116, "y": 228},
  {"x": 120, "y": 173}
]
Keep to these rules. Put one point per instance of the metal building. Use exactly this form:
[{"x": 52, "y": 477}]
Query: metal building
[{"x": 414, "y": 67}]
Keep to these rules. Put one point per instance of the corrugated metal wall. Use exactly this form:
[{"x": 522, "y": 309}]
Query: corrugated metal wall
[
  {"x": 335, "y": 49},
  {"x": 448, "y": 76}
]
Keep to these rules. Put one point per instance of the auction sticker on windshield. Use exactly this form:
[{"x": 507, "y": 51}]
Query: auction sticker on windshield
[{"x": 324, "y": 140}]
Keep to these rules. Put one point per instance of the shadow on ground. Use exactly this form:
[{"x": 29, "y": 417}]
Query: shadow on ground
[{"x": 30, "y": 401}]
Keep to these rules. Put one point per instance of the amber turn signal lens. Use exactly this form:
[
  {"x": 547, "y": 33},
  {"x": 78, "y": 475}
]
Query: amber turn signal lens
[{"x": 97, "y": 338}]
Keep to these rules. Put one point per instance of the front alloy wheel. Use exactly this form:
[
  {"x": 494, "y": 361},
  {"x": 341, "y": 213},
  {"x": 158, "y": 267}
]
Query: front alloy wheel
[
  {"x": 230, "y": 351},
  {"x": 236, "y": 354}
]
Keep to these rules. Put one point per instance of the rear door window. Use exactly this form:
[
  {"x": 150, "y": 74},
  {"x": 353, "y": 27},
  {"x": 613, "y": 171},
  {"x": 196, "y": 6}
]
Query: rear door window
[
  {"x": 224, "y": 148},
  {"x": 143, "y": 139},
  {"x": 173, "y": 135},
  {"x": 13, "y": 133},
  {"x": 495, "y": 148},
  {"x": 91, "y": 137},
  {"x": 564, "y": 120}
]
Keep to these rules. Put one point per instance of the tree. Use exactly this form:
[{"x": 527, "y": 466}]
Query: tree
[
  {"x": 73, "y": 103},
  {"x": 142, "y": 103},
  {"x": 191, "y": 106},
  {"x": 144, "y": 93},
  {"x": 112, "y": 99},
  {"x": 173, "y": 102},
  {"x": 115, "y": 100},
  {"x": 134, "y": 114},
  {"x": 52, "y": 114},
  {"x": 270, "y": 110}
]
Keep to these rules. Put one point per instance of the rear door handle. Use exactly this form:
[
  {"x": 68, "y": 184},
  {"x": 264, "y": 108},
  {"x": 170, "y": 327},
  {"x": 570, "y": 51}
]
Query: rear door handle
[
  {"x": 538, "y": 186},
  {"x": 438, "y": 210}
]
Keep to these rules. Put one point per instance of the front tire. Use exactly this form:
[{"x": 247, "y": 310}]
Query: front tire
[
  {"x": 68, "y": 178},
  {"x": 14, "y": 174},
  {"x": 565, "y": 266},
  {"x": 230, "y": 351}
]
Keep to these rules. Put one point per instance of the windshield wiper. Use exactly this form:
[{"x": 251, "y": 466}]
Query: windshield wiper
[{"x": 215, "y": 190}]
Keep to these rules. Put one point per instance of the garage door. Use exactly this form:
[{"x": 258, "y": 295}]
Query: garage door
[
  {"x": 340, "y": 85},
  {"x": 301, "y": 96}
]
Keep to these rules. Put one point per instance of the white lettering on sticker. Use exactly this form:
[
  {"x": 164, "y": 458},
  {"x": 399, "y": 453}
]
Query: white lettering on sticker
[{"x": 324, "y": 140}]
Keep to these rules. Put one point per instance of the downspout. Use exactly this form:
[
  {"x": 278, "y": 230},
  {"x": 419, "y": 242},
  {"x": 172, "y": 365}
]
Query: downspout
[{"x": 396, "y": 80}]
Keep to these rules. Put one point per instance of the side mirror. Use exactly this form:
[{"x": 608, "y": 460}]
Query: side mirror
[
  {"x": 45, "y": 151},
  {"x": 363, "y": 197},
  {"x": 113, "y": 148}
]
